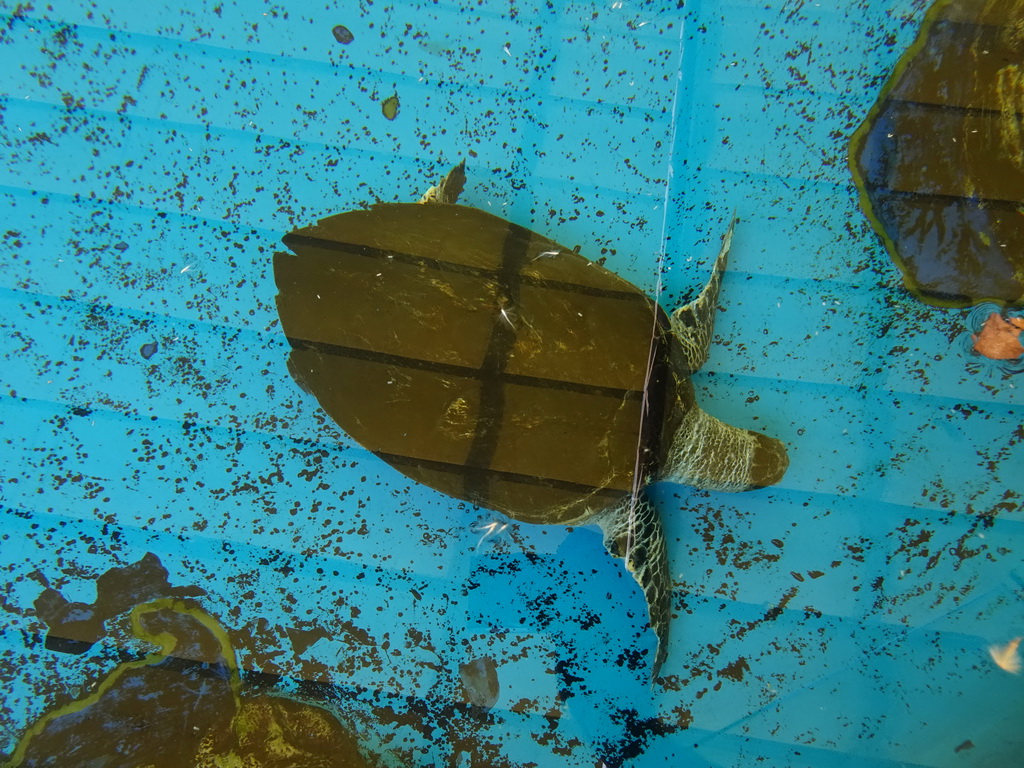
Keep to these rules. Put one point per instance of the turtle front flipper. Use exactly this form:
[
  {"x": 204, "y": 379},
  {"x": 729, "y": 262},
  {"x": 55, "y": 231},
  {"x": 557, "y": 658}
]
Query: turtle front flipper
[
  {"x": 632, "y": 531},
  {"x": 703, "y": 451},
  {"x": 693, "y": 324},
  {"x": 449, "y": 188}
]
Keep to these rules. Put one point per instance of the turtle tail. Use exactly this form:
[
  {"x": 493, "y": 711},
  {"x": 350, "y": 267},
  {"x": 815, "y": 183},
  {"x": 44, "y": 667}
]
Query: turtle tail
[{"x": 633, "y": 532}]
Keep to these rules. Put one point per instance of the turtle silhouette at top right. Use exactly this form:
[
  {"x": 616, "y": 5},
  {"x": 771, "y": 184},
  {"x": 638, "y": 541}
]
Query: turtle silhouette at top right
[{"x": 939, "y": 161}]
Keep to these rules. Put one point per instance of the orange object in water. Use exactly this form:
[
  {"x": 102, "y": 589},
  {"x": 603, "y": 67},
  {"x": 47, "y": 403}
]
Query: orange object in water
[{"x": 999, "y": 339}]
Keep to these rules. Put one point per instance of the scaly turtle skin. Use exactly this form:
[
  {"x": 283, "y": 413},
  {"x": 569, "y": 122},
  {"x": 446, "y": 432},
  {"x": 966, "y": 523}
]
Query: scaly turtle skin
[{"x": 497, "y": 366}]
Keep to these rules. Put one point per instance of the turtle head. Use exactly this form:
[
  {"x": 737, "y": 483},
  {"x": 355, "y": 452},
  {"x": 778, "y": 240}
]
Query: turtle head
[
  {"x": 768, "y": 461},
  {"x": 710, "y": 454}
]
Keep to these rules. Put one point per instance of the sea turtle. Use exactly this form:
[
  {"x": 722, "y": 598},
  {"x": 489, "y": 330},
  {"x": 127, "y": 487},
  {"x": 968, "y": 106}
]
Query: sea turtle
[
  {"x": 939, "y": 160},
  {"x": 493, "y": 364}
]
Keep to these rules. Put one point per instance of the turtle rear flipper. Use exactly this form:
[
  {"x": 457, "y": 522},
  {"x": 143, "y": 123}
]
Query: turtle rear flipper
[
  {"x": 449, "y": 188},
  {"x": 633, "y": 532},
  {"x": 693, "y": 324}
]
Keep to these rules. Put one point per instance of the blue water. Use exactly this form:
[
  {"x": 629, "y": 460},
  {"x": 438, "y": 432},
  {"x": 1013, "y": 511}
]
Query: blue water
[{"x": 152, "y": 158}]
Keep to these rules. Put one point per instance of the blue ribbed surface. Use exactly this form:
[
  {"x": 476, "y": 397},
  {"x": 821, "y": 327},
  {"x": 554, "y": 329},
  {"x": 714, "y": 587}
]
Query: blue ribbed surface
[{"x": 151, "y": 158}]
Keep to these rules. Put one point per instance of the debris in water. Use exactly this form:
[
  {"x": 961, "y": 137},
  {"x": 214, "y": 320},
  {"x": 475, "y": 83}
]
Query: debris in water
[
  {"x": 389, "y": 107},
  {"x": 1006, "y": 656},
  {"x": 343, "y": 34},
  {"x": 480, "y": 682},
  {"x": 999, "y": 338}
]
